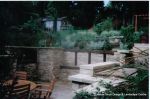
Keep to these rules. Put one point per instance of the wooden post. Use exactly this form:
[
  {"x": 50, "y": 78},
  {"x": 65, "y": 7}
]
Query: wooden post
[
  {"x": 104, "y": 57},
  {"x": 76, "y": 57},
  {"x": 89, "y": 58},
  {"x": 136, "y": 22}
]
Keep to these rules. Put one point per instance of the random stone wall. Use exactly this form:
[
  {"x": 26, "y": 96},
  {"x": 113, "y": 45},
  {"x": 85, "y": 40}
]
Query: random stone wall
[{"x": 49, "y": 62}]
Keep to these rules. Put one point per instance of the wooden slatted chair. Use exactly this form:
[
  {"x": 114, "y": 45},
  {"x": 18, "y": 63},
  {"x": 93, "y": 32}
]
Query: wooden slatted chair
[
  {"x": 20, "y": 92},
  {"x": 43, "y": 91},
  {"x": 21, "y": 75}
]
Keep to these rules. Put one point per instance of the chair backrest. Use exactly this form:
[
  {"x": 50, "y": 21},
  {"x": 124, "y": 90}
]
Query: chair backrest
[
  {"x": 50, "y": 88},
  {"x": 44, "y": 91},
  {"x": 21, "y": 75},
  {"x": 20, "y": 91}
]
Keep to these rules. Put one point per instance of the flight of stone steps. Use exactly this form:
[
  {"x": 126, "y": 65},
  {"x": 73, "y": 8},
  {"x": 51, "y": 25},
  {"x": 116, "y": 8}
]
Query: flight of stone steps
[
  {"x": 110, "y": 72},
  {"x": 91, "y": 74}
]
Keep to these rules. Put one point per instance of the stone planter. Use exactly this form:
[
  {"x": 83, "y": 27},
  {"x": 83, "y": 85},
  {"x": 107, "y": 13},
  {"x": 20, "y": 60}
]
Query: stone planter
[
  {"x": 115, "y": 40},
  {"x": 124, "y": 54}
]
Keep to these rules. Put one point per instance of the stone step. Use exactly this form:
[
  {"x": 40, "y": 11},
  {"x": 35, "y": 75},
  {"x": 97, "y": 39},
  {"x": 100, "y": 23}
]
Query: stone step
[
  {"x": 120, "y": 72},
  {"x": 92, "y": 69},
  {"x": 87, "y": 79}
]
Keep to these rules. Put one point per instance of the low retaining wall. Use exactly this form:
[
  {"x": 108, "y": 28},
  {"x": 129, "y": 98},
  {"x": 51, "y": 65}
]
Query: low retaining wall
[
  {"x": 83, "y": 58},
  {"x": 67, "y": 71},
  {"x": 49, "y": 61}
]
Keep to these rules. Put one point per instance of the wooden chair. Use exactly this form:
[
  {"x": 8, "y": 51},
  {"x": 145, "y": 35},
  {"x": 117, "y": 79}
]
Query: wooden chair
[
  {"x": 20, "y": 92},
  {"x": 21, "y": 75},
  {"x": 43, "y": 91}
]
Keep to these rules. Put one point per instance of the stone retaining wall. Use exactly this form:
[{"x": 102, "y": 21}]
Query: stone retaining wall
[
  {"x": 83, "y": 58},
  {"x": 49, "y": 62},
  {"x": 64, "y": 73}
]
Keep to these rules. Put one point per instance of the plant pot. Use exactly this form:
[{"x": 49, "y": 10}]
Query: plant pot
[{"x": 115, "y": 40}]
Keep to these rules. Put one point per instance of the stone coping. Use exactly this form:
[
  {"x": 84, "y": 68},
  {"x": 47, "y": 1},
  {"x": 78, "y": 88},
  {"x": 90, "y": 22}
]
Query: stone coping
[
  {"x": 99, "y": 65},
  {"x": 122, "y": 72},
  {"x": 34, "y": 47},
  {"x": 123, "y": 51},
  {"x": 141, "y": 44}
]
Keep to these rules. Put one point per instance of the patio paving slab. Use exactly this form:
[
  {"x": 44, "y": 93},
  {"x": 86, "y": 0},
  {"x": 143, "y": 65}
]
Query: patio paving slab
[{"x": 62, "y": 90}]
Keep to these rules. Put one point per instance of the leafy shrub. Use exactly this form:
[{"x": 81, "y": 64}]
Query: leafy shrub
[
  {"x": 83, "y": 95},
  {"x": 28, "y": 34},
  {"x": 114, "y": 33},
  {"x": 109, "y": 33},
  {"x": 95, "y": 45},
  {"x": 144, "y": 30},
  {"x": 137, "y": 37},
  {"x": 105, "y": 25},
  {"x": 75, "y": 39},
  {"x": 84, "y": 40},
  {"x": 127, "y": 33},
  {"x": 107, "y": 45},
  {"x": 68, "y": 44}
]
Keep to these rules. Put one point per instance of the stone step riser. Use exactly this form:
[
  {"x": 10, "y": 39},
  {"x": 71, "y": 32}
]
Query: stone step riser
[{"x": 92, "y": 69}]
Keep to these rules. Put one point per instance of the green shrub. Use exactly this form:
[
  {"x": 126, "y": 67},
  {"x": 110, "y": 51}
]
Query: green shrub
[
  {"x": 137, "y": 37},
  {"x": 128, "y": 36},
  {"x": 75, "y": 38},
  {"x": 28, "y": 34},
  {"x": 105, "y": 25},
  {"x": 107, "y": 45},
  {"x": 144, "y": 30},
  {"x": 83, "y": 95},
  {"x": 109, "y": 33},
  {"x": 95, "y": 45}
]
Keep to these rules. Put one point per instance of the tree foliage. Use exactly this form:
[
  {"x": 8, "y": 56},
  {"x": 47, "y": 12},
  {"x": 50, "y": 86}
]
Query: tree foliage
[{"x": 80, "y": 14}]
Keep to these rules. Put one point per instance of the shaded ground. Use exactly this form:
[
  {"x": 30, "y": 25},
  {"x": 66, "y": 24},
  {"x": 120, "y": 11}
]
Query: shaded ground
[{"x": 62, "y": 90}]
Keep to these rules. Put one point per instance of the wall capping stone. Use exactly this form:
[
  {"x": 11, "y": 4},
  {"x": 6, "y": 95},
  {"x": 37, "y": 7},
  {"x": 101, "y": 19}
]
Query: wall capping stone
[
  {"x": 69, "y": 67},
  {"x": 35, "y": 47}
]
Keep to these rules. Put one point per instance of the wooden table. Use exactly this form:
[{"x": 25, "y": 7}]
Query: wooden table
[{"x": 24, "y": 82}]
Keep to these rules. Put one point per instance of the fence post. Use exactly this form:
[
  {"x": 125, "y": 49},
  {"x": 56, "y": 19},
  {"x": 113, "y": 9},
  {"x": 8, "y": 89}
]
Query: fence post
[
  {"x": 104, "y": 57},
  {"x": 76, "y": 57},
  {"x": 89, "y": 57}
]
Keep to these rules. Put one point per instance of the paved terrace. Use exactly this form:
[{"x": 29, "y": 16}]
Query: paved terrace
[{"x": 62, "y": 90}]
